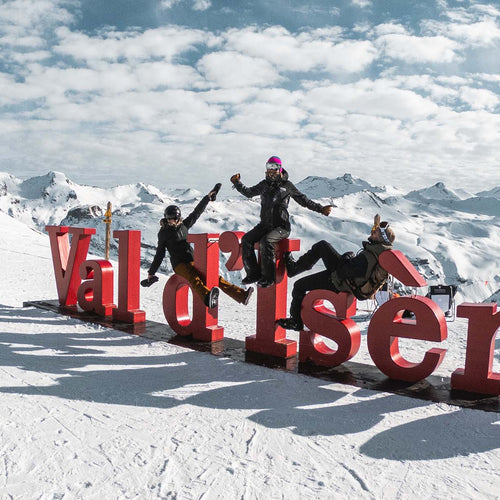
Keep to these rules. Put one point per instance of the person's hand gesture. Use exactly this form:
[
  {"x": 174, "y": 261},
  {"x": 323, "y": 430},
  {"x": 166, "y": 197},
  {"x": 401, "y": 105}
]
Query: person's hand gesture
[
  {"x": 212, "y": 195},
  {"x": 235, "y": 178},
  {"x": 326, "y": 209}
]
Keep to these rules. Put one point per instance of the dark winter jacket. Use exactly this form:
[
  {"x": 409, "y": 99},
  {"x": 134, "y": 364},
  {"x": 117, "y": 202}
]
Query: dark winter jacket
[
  {"x": 274, "y": 199},
  {"x": 174, "y": 239},
  {"x": 354, "y": 272}
]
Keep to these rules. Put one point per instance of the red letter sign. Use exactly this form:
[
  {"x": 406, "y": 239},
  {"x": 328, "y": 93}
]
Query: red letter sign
[
  {"x": 271, "y": 305},
  {"x": 387, "y": 325},
  {"x": 67, "y": 260},
  {"x": 271, "y": 302},
  {"x": 477, "y": 376},
  {"x": 96, "y": 294},
  {"x": 129, "y": 265},
  {"x": 334, "y": 325},
  {"x": 203, "y": 326}
]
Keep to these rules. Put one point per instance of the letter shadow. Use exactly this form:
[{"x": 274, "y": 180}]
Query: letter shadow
[{"x": 460, "y": 433}]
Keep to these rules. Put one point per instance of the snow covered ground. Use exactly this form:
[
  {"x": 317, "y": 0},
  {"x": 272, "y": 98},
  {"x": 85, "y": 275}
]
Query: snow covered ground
[{"x": 90, "y": 412}]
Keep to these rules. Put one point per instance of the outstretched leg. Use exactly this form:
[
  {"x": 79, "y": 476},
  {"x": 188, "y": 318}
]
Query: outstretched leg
[
  {"x": 317, "y": 281},
  {"x": 320, "y": 250},
  {"x": 192, "y": 275},
  {"x": 238, "y": 294}
]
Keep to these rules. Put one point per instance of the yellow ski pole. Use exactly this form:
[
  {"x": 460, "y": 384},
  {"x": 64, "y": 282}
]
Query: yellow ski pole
[{"x": 107, "y": 221}]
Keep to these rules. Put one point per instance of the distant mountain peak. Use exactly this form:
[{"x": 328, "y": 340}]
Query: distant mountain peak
[
  {"x": 438, "y": 192},
  {"x": 325, "y": 187}
]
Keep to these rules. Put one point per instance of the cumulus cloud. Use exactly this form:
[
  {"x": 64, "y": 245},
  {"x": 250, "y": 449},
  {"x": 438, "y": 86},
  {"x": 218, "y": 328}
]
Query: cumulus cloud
[
  {"x": 25, "y": 26},
  {"x": 334, "y": 97},
  {"x": 35, "y": 15},
  {"x": 231, "y": 69},
  {"x": 415, "y": 49},
  {"x": 196, "y": 4},
  {"x": 321, "y": 50},
  {"x": 389, "y": 29},
  {"x": 369, "y": 98},
  {"x": 362, "y": 3},
  {"x": 163, "y": 43},
  {"x": 479, "y": 98},
  {"x": 474, "y": 34},
  {"x": 273, "y": 113},
  {"x": 202, "y": 4}
]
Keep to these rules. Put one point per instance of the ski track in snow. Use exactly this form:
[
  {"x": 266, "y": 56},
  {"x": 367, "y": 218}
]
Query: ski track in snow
[{"x": 216, "y": 428}]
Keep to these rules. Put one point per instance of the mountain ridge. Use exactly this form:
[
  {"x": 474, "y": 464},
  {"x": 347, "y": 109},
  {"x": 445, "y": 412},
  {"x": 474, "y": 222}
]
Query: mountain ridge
[{"x": 450, "y": 236}]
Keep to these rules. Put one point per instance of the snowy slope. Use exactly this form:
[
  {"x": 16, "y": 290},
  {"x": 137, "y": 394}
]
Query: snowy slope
[{"x": 89, "y": 413}]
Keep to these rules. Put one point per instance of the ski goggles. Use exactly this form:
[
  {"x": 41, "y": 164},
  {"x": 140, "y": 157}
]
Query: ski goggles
[
  {"x": 273, "y": 166},
  {"x": 383, "y": 227}
]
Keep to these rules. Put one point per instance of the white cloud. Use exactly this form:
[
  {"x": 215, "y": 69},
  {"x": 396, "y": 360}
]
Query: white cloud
[
  {"x": 168, "y": 4},
  {"x": 389, "y": 29},
  {"x": 273, "y": 112},
  {"x": 480, "y": 33},
  {"x": 25, "y": 42},
  {"x": 362, "y": 3},
  {"x": 197, "y": 4},
  {"x": 34, "y": 14},
  {"x": 414, "y": 49},
  {"x": 306, "y": 51},
  {"x": 111, "y": 46},
  {"x": 369, "y": 98},
  {"x": 230, "y": 69},
  {"x": 120, "y": 100},
  {"x": 202, "y": 4},
  {"x": 479, "y": 98}
]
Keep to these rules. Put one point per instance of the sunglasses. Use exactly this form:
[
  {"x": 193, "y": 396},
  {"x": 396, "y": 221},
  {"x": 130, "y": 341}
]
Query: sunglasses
[{"x": 273, "y": 166}]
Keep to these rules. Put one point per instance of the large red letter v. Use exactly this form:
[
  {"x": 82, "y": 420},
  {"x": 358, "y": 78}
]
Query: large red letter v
[{"x": 67, "y": 259}]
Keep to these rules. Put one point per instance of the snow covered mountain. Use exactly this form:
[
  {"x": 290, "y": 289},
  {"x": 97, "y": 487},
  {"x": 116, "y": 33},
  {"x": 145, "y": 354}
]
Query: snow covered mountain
[{"x": 452, "y": 237}]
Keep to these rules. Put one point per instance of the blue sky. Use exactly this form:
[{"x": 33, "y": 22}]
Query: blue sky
[{"x": 187, "y": 92}]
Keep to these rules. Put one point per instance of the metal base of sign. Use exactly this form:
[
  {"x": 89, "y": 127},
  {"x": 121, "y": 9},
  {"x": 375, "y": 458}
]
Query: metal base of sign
[{"x": 435, "y": 389}]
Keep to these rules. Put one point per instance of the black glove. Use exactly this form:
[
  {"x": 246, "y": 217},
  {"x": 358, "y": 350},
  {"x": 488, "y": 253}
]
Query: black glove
[
  {"x": 149, "y": 281},
  {"x": 212, "y": 196},
  {"x": 348, "y": 256}
]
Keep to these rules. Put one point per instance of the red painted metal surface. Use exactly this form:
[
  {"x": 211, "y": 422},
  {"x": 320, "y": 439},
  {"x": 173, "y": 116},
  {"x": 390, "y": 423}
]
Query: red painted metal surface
[
  {"x": 478, "y": 376},
  {"x": 387, "y": 326},
  {"x": 395, "y": 263},
  {"x": 129, "y": 268},
  {"x": 67, "y": 259},
  {"x": 331, "y": 324},
  {"x": 271, "y": 305},
  {"x": 96, "y": 294},
  {"x": 203, "y": 325}
]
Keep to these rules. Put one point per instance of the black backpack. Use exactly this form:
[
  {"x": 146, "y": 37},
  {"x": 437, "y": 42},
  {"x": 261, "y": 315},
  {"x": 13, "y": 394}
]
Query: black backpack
[{"x": 375, "y": 282}]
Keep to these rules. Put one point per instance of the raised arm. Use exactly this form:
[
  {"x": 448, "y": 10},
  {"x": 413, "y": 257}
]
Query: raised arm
[
  {"x": 249, "y": 192},
  {"x": 304, "y": 201},
  {"x": 195, "y": 214}
]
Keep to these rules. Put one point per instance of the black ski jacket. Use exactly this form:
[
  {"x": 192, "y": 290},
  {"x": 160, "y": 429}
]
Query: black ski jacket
[
  {"x": 358, "y": 269},
  {"x": 274, "y": 199},
  {"x": 174, "y": 239}
]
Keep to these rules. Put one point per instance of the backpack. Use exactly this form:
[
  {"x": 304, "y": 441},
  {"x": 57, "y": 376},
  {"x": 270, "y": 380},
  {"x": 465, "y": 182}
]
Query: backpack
[{"x": 375, "y": 282}]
